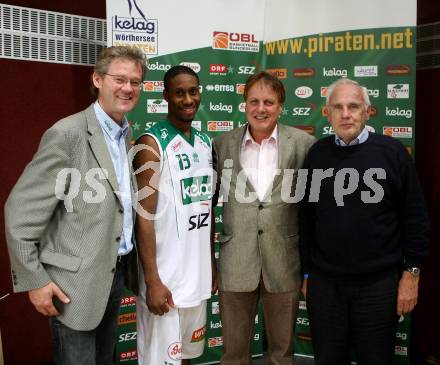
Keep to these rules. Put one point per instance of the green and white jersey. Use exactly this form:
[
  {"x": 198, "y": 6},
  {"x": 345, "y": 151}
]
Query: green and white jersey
[{"x": 183, "y": 215}]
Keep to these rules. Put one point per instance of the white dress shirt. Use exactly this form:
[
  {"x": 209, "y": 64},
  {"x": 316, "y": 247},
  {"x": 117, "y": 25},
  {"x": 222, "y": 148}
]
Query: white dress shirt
[{"x": 260, "y": 161}]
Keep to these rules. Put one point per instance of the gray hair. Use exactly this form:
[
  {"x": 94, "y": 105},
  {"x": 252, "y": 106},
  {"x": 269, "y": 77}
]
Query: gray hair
[
  {"x": 109, "y": 54},
  {"x": 345, "y": 81}
]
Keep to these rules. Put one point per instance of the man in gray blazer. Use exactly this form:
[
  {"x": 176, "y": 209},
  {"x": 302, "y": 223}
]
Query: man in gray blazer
[
  {"x": 257, "y": 173},
  {"x": 69, "y": 218}
]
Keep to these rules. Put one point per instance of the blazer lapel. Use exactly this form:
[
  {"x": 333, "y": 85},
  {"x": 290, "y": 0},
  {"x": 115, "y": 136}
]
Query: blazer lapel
[
  {"x": 284, "y": 153},
  {"x": 100, "y": 150}
]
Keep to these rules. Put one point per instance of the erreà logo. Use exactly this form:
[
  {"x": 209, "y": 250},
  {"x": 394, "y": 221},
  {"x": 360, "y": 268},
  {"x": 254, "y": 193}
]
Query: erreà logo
[{"x": 195, "y": 189}]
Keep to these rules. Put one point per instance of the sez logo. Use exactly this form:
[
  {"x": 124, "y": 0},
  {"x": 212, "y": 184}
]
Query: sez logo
[
  {"x": 129, "y": 336},
  {"x": 232, "y": 41}
]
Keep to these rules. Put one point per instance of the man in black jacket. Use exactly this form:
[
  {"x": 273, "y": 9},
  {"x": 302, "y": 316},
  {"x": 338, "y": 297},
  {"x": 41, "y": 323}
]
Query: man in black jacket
[{"x": 364, "y": 230}]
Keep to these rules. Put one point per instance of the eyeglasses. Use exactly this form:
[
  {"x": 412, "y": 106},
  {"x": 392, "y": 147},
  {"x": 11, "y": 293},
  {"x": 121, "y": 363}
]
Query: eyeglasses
[
  {"x": 352, "y": 108},
  {"x": 121, "y": 81}
]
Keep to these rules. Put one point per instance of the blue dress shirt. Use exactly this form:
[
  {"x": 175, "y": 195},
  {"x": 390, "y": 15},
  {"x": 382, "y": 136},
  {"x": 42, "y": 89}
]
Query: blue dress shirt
[
  {"x": 361, "y": 138},
  {"x": 114, "y": 136}
]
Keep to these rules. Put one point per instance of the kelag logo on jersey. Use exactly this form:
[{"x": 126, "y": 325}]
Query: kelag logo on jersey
[
  {"x": 132, "y": 31},
  {"x": 195, "y": 189}
]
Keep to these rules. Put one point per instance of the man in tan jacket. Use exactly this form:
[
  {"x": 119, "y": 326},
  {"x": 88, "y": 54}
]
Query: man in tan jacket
[{"x": 257, "y": 170}]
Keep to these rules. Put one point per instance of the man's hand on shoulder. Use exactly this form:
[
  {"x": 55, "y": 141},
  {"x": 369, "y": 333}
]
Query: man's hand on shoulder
[
  {"x": 407, "y": 293},
  {"x": 159, "y": 298},
  {"x": 41, "y": 298}
]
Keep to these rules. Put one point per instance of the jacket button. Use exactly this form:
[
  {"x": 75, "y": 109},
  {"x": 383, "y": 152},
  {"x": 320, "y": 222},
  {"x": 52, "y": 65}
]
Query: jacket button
[
  {"x": 118, "y": 239},
  {"x": 114, "y": 270},
  {"x": 120, "y": 210},
  {"x": 260, "y": 231},
  {"x": 260, "y": 207}
]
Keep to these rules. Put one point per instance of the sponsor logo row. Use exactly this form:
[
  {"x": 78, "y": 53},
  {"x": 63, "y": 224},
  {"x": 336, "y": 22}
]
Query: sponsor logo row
[
  {"x": 158, "y": 87},
  {"x": 228, "y": 125},
  {"x": 358, "y": 71},
  {"x": 222, "y": 69},
  {"x": 218, "y": 341},
  {"x": 396, "y": 132},
  {"x": 160, "y": 106},
  {"x": 394, "y": 91},
  {"x": 174, "y": 350},
  {"x": 214, "y": 68}
]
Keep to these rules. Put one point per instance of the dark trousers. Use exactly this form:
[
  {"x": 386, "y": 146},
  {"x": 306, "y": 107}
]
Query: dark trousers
[
  {"x": 72, "y": 347},
  {"x": 353, "y": 314},
  {"x": 238, "y": 310}
]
